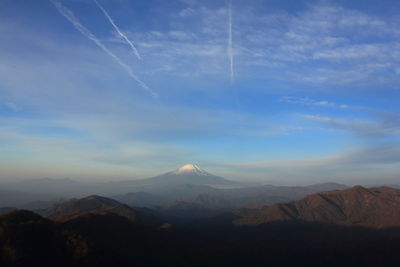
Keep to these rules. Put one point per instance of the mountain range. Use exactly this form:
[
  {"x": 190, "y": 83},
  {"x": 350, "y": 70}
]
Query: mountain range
[
  {"x": 350, "y": 227},
  {"x": 189, "y": 217},
  {"x": 189, "y": 184}
]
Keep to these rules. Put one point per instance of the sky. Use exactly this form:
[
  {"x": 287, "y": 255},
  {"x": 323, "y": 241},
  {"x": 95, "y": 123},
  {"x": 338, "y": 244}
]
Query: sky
[{"x": 279, "y": 92}]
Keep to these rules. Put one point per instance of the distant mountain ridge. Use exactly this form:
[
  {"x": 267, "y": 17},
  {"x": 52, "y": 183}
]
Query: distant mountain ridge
[{"x": 233, "y": 198}]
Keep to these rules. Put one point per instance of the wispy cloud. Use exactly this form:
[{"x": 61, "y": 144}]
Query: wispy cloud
[
  {"x": 365, "y": 165},
  {"x": 128, "y": 159},
  {"x": 332, "y": 44},
  {"x": 120, "y": 33},
  {"x": 374, "y": 124},
  {"x": 69, "y": 15},
  {"x": 387, "y": 153},
  {"x": 312, "y": 102},
  {"x": 387, "y": 124}
]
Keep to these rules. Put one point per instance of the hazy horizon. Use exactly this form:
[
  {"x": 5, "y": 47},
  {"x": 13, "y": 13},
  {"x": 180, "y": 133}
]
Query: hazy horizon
[
  {"x": 279, "y": 92},
  {"x": 245, "y": 182}
]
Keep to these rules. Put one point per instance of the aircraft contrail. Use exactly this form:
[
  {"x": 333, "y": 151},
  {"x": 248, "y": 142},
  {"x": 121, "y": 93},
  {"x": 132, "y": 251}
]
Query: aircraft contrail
[
  {"x": 129, "y": 42},
  {"x": 69, "y": 15},
  {"x": 230, "y": 55},
  {"x": 230, "y": 42}
]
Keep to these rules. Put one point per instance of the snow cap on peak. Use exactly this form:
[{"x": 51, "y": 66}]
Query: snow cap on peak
[{"x": 190, "y": 169}]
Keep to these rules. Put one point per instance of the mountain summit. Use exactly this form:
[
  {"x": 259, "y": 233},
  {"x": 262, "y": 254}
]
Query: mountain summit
[{"x": 190, "y": 169}]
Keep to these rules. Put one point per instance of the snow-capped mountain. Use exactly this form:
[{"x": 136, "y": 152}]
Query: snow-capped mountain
[{"x": 189, "y": 174}]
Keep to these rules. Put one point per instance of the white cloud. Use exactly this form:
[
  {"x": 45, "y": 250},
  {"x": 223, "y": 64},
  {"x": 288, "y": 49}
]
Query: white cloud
[
  {"x": 186, "y": 12},
  {"x": 12, "y": 106},
  {"x": 332, "y": 44}
]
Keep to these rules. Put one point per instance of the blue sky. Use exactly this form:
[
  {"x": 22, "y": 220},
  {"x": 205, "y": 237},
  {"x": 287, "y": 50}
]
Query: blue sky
[{"x": 312, "y": 95}]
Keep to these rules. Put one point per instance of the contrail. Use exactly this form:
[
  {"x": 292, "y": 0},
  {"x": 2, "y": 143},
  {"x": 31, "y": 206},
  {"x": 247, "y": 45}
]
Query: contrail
[
  {"x": 230, "y": 55},
  {"x": 230, "y": 50},
  {"x": 130, "y": 43},
  {"x": 69, "y": 15}
]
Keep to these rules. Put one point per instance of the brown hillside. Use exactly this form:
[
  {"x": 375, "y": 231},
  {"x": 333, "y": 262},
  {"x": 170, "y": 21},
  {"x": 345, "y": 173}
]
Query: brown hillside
[{"x": 374, "y": 207}]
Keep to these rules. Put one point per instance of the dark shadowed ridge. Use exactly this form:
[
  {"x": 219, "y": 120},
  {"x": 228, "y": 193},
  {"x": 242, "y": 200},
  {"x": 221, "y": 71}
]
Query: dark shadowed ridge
[
  {"x": 99, "y": 205},
  {"x": 4, "y": 210}
]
